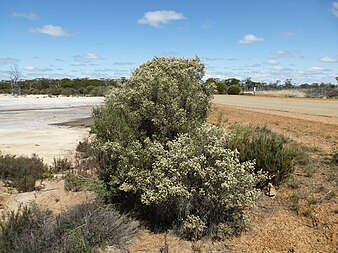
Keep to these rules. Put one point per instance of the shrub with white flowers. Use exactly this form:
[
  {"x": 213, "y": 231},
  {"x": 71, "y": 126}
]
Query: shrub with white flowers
[{"x": 163, "y": 160}]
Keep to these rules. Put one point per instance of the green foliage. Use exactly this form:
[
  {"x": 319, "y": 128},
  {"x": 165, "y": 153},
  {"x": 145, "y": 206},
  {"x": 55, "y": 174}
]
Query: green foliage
[
  {"x": 22, "y": 172},
  {"x": 65, "y": 87},
  {"x": 234, "y": 90},
  {"x": 193, "y": 227},
  {"x": 158, "y": 156},
  {"x": 190, "y": 175},
  {"x": 163, "y": 97},
  {"x": 84, "y": 228},
  {"x": 221, "y": 86},
  {"x": 273, "y": 153}
]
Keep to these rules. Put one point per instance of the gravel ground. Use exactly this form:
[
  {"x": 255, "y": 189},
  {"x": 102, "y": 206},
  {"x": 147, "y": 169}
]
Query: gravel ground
[{"x": 319, "y": 107}]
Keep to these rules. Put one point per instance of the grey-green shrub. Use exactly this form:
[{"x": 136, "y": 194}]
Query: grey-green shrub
[
  {"x": 84, "y": 228},
  {"x": 22, "y": 172},
  {"x": 158, "y": 156},
  {"x": 163, "y": 97},
  {"x": 273, "y": 153},
  {"x": 192, "y": 175}
]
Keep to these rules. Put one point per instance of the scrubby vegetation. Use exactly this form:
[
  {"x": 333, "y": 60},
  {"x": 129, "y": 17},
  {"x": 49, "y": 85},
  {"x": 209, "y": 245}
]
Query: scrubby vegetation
[
  {"x": 160, "y": 157},
  {"x": 273, "y": 153},
  {"x": 22, "y": 172},
  {"x": 327, "y": 90},
  {"x": 84, "y": 228},
  {"x": 65, "y": 86}
]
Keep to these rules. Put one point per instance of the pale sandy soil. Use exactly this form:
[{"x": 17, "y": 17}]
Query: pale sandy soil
[
  {"x": 51, "y": 196},
  {"x": 27, "y": 124}
]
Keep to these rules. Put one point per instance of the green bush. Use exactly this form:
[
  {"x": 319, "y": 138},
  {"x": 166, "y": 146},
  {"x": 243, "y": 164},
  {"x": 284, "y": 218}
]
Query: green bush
[
  {"x": 234, "y": 90},
  {"x": 163, "y": 97},
  {"x": 84, "y": 228},
  {"x": 273, "y": 153},
  {"x": 22, "y": 172},
  {"x": 158, "y": 156},
  {"x": 221, "y": 88},
  {"x": 193, "y": 175}
]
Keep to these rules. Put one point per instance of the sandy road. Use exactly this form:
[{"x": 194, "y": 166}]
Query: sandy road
[{"x": 319, "y": 107}]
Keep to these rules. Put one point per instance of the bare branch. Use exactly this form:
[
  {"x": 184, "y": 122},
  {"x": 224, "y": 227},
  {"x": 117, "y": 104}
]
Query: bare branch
[{"x": 15, "y": 75}]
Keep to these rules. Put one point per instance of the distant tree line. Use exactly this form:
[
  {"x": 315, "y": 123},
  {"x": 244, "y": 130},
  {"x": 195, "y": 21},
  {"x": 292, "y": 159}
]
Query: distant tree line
[
  {"x": 65, "y": 86},
  {"x": 97, "y": 87},
  {"x": 227, "y": 86}
]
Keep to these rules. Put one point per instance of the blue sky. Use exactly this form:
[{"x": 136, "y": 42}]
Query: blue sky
[{"x": 266, "y": 40}]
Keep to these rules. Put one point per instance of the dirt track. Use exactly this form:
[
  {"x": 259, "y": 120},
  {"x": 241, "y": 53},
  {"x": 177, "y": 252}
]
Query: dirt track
[{"x": 319, "y": 107}]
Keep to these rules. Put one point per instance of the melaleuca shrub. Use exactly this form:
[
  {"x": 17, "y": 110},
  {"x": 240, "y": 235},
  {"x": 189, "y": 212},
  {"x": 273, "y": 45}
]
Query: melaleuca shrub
[
  {"x": 163, "y": 97},
  {"x": 159, "y": 157},
  {"x": 193, "y": 175}
]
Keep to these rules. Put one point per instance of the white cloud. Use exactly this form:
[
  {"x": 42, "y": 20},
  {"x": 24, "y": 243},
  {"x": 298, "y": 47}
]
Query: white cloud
[
  {"x": 250, "y": 38},
  {"x": 329, "y": 59},
  {"x": 8, "y": 60},
  {"x": 208, "y": 24},
  {"x": 51, "y": 30},
  {"x": 37, "y": 69},
  {"x": 286, "y": 53},
  {"x": 87, "y": 57},
  {"x": 30, "y": 16},
  {"x": 335, "y": 9},
  {"x": 158, "y": 18},
  {"x": 272, "y": 62},
  {"x": 283, "y": 53},
  {"x": 315, "y": 70}
]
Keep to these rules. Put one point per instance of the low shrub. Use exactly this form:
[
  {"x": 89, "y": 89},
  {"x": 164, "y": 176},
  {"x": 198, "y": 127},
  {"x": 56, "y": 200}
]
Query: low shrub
[
  {"x": 61, "y": 165},
  {"x": 84, "y": 228},
  {"x": 273, "y": 153},
  {"x": 22, "y": 172},
  {"x": 234, "y": 90}
]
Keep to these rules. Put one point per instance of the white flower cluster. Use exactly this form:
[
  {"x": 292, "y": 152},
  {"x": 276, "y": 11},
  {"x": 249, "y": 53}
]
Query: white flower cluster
[{"x": 194, "y": 165}]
